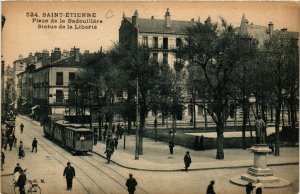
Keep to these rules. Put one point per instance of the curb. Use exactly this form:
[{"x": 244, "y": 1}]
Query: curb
[
  {"x": 195, "y": 169},
  {"x": 27, "y": 119},
  {"x": 11, "y": 174}
]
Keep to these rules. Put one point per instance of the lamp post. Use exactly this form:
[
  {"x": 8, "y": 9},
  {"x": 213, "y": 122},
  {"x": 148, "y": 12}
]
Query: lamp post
[{"x": 137, "y": 118}]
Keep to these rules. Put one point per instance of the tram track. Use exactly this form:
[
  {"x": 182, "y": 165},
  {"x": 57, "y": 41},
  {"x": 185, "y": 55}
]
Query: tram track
[
  {"x": 107, "y": 171},
  {"x": 64, "y": 162},
  {"x": 122, "y": 179}
]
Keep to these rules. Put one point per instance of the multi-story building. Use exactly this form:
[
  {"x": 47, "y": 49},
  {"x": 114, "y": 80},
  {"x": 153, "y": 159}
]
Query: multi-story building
[
  {"x": 44, "y": 85},
  {"x": 161, "y": 37}
]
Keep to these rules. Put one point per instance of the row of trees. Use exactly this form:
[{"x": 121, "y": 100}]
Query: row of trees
[{"x": 224, "y": 69}]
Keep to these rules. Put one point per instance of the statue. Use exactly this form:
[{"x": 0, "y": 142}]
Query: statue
[{"x": 260, "y": 127}]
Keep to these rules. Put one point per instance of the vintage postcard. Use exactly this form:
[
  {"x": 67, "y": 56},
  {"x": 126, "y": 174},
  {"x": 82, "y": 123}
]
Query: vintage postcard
[{"x": 155, "y": 97}]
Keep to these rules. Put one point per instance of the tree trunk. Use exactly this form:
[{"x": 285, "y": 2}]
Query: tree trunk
[
  {"x": 141, "y": 132},
  {"x": 220, "y": 140},
  {"x": 162, "y": 119},
  {"x": 277, "y": 124},
  {"x": 282, "y": 115},
  {"x": 289, "y": 112},
  {"x": 272, "y": 116},
  {"x": 293, "y": 119},
  {"x": 244, "y": 126}
]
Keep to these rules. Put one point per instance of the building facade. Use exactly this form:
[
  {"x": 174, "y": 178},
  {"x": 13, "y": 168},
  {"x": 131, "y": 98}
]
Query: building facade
[
  {"x": 44, "y": 85},
  {"x": 162, "y": 37}
]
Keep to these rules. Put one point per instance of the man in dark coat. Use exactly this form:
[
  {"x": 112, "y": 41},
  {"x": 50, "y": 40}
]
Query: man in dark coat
[
  {"x": 21, "y": 182},
  {"x": 17, "y": 168},
  {"x": 171, "y": 146},
  {"x": 34, "y": 145},
  {"x": 21, "y": 127},
  {"x": 131, "y": 184},
  {"x": 69, "y": 173},
  {"x": 108, "y": 152},
  {"x": 187, "y": 160},
  {"x": 210, "y": 188},
  {"x": 249, "y": 188}
]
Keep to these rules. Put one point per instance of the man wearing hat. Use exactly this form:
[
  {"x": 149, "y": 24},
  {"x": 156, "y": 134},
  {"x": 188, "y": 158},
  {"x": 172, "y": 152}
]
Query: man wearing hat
[
  {"x": 187, "y": 160},
  {"x": 131, "y": 184},
  {"x": 21, "y": 182},
  {"x": 69, "y": 173}
]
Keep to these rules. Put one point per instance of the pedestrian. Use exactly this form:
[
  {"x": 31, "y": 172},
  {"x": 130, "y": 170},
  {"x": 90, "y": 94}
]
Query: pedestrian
[
  {"x": 116, "y": 143},
  {"x": 17, "y": 168},
  {"x": 2, "y": 160},
  {"x": 10, "y": 141},
  {"x": 260, "y": 127},
  {"x": 4, "y": 142},
  {"x": 187, "y": 160},
  {"x": 21, "y": 182},
  {"x": 113, "y": 128},
  {"x": 210, "y": 188},
  {"x": 95, "y": 138},
  {"x": 21, "y": 128},
  {"x": 249, "y": 188},
  {"x": 82, "y": 138},
  {"x": 171, "y": 146},
  {"x": 259, "y": 187},
  {"x": 21, "y": 151},
  {"x": 108, "y": 152},
  {"x": 104, "y": 135},
  {"x": 15, "y": 140},
  {"x": 271, "y": 144},
  {"x": 201, "y": 143},
  {"x": 131, "y": 183},
  {"x": 69, "y": 173},
  {"x": 121, "y": 131},
  {"x": 34, "y": 145},
  {"x": 196, "y": 143},
  {"x": 112, "y": 144}
]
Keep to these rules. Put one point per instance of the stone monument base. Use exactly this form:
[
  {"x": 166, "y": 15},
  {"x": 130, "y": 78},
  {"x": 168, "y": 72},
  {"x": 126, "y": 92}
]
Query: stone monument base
[
  {"x": 260, "y": 171},
  {"x": 268, "y": 182}
]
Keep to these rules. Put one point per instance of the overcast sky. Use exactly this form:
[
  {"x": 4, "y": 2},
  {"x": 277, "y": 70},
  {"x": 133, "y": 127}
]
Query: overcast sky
[{"x": 21, "y": 36}]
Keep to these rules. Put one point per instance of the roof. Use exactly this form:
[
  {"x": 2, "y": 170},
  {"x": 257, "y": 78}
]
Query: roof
[
  {"x": 26, "y": 60},
  {"x": 79, "y": 129},
  {"x": 63, "y": 122},
  {"x": 158, "y": 26},
  {"x": 261, "y": 33}
]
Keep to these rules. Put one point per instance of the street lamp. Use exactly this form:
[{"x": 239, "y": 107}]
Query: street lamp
[{"x": 137, "y": 117}]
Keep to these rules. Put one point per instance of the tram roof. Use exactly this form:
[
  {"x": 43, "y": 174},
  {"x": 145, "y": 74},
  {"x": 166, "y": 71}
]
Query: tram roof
[
  {"x": 81, "y": 129},
  {"x": 63, "y": 122}
]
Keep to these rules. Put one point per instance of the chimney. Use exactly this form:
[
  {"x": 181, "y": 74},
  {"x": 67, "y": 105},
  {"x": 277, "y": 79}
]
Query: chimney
[
  {"x": 45, "y": 57},
  {"x": 284, "y": 30},
  {"x": 271, "y": 25},
  {"x": 135, "y": 18},
  {"x": 192, "y": 19},
  {"x": 56, "y": 54},
  {"x": 152, "y": 17},
  {"x": 199, "y": 20},
  {"x": 37, "y": 56},
  {"x": 168, "y": 19},
  {"x": 76, "y": 54}
]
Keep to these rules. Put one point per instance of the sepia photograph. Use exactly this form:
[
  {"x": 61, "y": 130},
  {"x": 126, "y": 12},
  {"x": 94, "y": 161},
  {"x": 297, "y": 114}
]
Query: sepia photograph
[{"x": 150, "y": 97}]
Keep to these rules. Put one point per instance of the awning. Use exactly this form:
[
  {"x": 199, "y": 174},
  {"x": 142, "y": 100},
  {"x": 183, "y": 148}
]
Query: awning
[
  {"x": 34, "y": 107},
  {"x": 24, "y": 103},
  {"x": 11, "y": 104}
]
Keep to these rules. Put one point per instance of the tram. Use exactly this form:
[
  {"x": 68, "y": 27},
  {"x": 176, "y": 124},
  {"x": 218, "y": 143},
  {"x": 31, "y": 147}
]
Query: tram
[{"x": 71, "y": 136}]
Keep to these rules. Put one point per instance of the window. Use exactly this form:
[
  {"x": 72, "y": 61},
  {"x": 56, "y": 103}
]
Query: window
[
  {"x": 155, "y": 42},
  {"x": 145, "y": 41},
  {"x": 59, "y": 78},
  {"x": 165, "y": 58},
  {"x": 155, "y": 57},
  {"x": 59, "y": 96},
  {"x": 72, "y": 77},
  {"x": 178, "y": 43},
  {"x": 165, "y": 43}
]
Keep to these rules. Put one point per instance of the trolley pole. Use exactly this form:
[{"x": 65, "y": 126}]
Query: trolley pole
[{"x": 137, "y": 118}]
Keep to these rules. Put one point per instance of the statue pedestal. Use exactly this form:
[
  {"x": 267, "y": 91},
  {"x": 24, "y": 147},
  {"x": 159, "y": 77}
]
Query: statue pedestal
[
  {"x": 260, "y": 161},
  {"x": 260, "y": 170}
]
